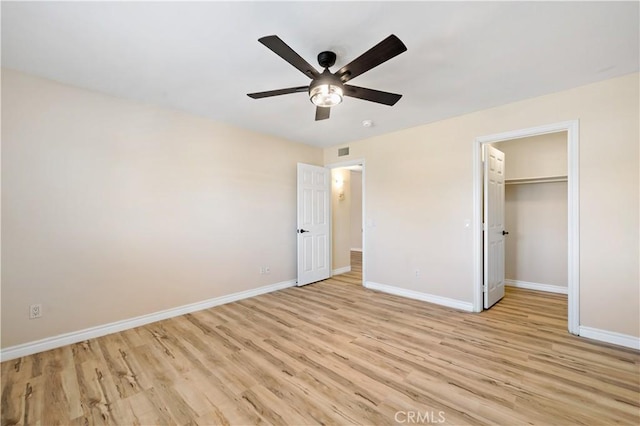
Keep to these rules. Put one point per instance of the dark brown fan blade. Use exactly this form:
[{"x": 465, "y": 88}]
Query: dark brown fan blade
[
  {"x": 259, "y": 95},
  {"x": 322, "y": 113},
  {"x": 281, "y": 49},
  {"x": 381, "y": 52},
  {"x": 372, "y": 95}
]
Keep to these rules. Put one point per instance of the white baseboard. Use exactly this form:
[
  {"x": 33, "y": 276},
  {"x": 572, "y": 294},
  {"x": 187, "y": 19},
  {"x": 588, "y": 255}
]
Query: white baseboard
[
  {"x": 610, "y": 337},
  {"x": 425, "y": 297},
  {"x": 535, "y": 286},
  {"x": 341, "y": 270},
  {"x": 357, "y": 249},
  {"x": 30, "y": 348}
]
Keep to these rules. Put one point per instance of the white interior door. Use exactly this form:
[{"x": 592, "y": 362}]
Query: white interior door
[
  {"x": 314, "y": 230},
  {"x": 494, "y": 231}
]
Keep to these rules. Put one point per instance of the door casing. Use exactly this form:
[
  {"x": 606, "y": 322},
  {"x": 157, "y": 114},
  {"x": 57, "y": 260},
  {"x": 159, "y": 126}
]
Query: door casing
[{"x": 573, "y": 234}]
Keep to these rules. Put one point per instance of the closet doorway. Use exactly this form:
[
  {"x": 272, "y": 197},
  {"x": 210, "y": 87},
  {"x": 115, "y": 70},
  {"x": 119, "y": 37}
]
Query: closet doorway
[
  {"x": 536, "y": 211},
  {"x": 548, "y": 170}
]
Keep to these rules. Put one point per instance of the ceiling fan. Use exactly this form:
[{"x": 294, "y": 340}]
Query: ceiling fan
[{"x": 326, "y": 88}]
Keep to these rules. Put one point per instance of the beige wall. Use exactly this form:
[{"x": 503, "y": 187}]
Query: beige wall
[
  {"x": 536, "y": 213},
  {"x": 340, "y": 218},
  {"x": 419, "y": 196},
  {"x": 536, "y": 247},
  {"x": 536, "y": 156},
  {"x": 113, "y": 209},
  {"x": 356, "y": 210}
]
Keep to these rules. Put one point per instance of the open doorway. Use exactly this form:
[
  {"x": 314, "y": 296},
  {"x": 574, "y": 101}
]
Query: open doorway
[
  {"x": 571, "y": 131},
  {"x": 347, "y": 213},
  {"x": 536, "y": 249},
  {"x": 527, "y": 201}
]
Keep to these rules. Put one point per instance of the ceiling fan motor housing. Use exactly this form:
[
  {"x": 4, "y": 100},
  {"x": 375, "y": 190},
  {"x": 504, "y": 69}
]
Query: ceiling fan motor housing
[{"x": 326, "y": 59}]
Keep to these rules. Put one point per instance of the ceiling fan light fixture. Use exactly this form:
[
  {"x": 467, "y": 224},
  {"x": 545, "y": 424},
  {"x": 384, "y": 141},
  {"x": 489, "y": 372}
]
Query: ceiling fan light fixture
[
  {"x": 326, "y": 95},
  {"x": 327, "y": 89}
]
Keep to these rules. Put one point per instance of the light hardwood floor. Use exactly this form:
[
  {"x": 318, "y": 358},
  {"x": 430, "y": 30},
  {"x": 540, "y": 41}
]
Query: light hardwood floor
[{"x": 333, "y": 353}]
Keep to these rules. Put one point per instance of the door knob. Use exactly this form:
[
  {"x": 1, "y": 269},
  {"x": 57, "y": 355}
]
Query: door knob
[
  {"x": 505, "y": 233},
  {"x": 302, "y": 231}
]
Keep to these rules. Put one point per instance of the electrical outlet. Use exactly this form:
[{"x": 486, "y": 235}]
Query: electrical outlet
[
  {"x": 267, "y": 270},
  {"x": 35, "y": 311}
]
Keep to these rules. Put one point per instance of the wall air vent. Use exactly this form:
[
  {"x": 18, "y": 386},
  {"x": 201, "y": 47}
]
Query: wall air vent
[{"x": 343, "y": 151}]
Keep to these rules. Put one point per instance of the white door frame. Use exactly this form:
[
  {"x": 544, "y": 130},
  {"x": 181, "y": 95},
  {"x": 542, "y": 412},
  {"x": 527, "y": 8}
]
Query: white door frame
[
  {"x": 348, "y": 163},
  {"x": 573, "y": 237}
]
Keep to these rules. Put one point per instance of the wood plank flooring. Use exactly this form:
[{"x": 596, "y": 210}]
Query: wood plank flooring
[{"x": 333, "y": 353}]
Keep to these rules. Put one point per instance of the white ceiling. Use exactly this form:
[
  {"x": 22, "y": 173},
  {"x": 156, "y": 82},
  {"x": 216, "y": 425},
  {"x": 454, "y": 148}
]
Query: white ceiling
[{"x": 203, "y": 57}]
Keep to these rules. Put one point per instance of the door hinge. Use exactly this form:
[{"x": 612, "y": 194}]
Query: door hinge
[{"x": 484, "y": 288}]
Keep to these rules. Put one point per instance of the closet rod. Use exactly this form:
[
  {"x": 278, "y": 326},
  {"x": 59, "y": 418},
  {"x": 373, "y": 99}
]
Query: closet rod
[{"x": 542, "y": 179}]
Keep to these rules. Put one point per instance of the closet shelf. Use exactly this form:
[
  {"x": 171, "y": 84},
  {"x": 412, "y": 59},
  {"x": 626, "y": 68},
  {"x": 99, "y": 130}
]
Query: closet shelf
[{"x": 542, "y": 179}]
